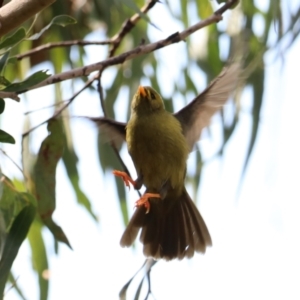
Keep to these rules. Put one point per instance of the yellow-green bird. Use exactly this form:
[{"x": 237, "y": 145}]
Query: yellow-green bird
[{"x": 159, "y": 144}]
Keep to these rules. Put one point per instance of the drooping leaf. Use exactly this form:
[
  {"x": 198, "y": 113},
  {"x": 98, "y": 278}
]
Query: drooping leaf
[
  {"x": 57, "y": 231},
  {"x": 2, "y": 105},
  {"x": 15, "y": 237},
  {"x": 6, "y": 137},
  {"x": 3, "y": 61},
  {"x": 39, "y": 257},
  {"x": 146, "y": 267},
  {"x": 32, "y": 80},
  {"x": 50, "y": 152},
  {"x": 62, "y": 20},
  {"x": 4, "y": 82},
  {"x": 13, "y": 39},
  {"x": 70, "y": 161},
  {"x": 13, "y": 281}
]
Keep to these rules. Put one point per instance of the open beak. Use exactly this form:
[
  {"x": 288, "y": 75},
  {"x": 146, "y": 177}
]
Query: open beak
[{"x": 142, "y": 91}]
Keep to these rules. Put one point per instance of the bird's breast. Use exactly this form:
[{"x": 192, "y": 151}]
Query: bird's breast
[{"x": 158, "y": 149}]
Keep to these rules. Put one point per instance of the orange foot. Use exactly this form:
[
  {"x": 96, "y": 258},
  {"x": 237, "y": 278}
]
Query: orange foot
[
  {"x": 127, "y": 180},
  {"x": 144, "y": 200}
]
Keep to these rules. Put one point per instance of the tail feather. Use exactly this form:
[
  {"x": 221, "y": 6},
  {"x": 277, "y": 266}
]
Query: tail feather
[{"x": 172, "y": 229}]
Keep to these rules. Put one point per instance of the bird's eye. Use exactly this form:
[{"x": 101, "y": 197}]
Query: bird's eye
[{"x": 152, "y": 95}]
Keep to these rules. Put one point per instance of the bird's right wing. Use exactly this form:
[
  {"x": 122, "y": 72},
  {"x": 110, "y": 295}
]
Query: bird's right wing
[{"x": 113, "y": 131}]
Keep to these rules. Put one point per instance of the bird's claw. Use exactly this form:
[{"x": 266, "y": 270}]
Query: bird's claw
[
  {"x": 144, "y": 200},
  {"x": 127, "y": 180}
]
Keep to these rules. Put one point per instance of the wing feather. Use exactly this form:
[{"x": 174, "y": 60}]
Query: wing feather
[{"x": 197, "y": 114}]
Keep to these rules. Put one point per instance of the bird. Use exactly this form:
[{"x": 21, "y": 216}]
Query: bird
[{"x": 159, "y": 144}]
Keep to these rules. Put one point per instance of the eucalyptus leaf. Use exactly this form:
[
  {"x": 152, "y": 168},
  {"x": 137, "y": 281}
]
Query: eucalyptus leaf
[
  {"x": 14, "y": 240},
  {"x": 2, "y": 105},
  {"x": 3, "y": 61},
  {"x": 13, "y": 39},
  {"x": 32, "y": 80},
  {"x": 4, "y": 82},
  {"x": 63, "y": 20},
  {"x": 6, "y": 137},
  {"x": 39, "y": 257}
]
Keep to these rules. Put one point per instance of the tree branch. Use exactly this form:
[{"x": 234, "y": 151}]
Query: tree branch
[
  {"x": 138, "y": 51},
  {"x": 11, "y": 95},
  {"x": 61, "y": 44},
  {"x": 128, "y": 25},
  {"x": 115, "y": 40},
  {"x": 15, "y": 12}
]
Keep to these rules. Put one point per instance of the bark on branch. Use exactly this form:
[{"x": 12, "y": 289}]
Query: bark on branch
[{"x": 16, "y": 12}]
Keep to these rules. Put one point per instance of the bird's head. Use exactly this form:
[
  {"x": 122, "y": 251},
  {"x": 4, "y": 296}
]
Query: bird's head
[{"x": 146, "y": 99}]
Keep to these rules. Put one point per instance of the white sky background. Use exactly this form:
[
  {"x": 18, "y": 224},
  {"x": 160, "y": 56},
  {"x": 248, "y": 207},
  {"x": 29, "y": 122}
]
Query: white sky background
[{"x": 256, "y": 243}]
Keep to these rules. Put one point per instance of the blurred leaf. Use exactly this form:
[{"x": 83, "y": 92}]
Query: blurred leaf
[
  {"x": 57, "y": 231},
  {"x": 32, "y": 80},
  {"x": 12, "y": 40},
  {"x": 63, "y": 21},
  {"x": 122, "y": 200},
  {"x": 257, "y": 78},
  {"x": 70, "y": 160},
  {"x": 4, "y": 82},
  {"x": 11, "y": 203},
  {"x": 50, "y": 152},
  {"x": 6, "y": 137},
  {"x": 2, "y": 105},
  {"x": 15, "y": 286},
  {"x": 39, "y": 257},
  {"x": 146, "y": 267},
  {"x": 15, "y": 238},
  {"x": 3, "y": 61}
]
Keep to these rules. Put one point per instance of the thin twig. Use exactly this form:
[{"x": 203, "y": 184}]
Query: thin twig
[
  {"x": 138, "y": 51},
  {"x": 44, "y": 107},
  {"x": 115, "y": 40},
  {"x": 61, "y": 44},
  {"x": 59, "y": 111},
  {"x": 4, "y": 153},
  {"x": 128, "y": 25}
]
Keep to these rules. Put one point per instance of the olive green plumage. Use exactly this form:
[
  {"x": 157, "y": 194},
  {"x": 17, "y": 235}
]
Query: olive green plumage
[
  {"x": 159, "y": 143},
  {"x": 155, "y": 142}
]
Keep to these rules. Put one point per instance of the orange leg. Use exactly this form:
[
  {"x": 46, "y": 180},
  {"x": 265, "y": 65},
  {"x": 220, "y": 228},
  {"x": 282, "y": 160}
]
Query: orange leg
[
  {"x": 127, "y": 180},
  {"x": 144, "y": 200}
]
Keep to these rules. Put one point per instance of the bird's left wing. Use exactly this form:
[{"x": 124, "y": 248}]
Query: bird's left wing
[{"x": 197, "y": 114}]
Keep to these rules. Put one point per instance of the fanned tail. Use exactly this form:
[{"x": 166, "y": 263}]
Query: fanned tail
[{"x": 172, "y": 229}]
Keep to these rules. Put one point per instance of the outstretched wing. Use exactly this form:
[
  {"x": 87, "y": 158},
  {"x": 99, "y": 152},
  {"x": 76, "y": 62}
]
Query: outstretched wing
[
  {"x": 113, "y": 131},
  {"x": 197, "y": 114}
]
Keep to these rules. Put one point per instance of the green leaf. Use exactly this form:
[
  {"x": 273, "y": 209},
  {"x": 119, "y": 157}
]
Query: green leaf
[
  {"x": 32, "y": 80},
  {"x": 57, "y": 231},
  {"x": 14, "y": 240},
  {"x": 70, "y": 160},
  {"x": 15, "y": 38},
  {"x": 50, "y": 152},
  {"x": 39, "y": 256},
  {"x": 13, "y": 281},
  {"x": 4, "y": 82},
  {"x": 6, "y": 137},
  {"x": 3, "y": 61},
  {"x": 63, "y": 20},
  {"x": 2, "y": 105},
  {"x": 45, "y": 168}
]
